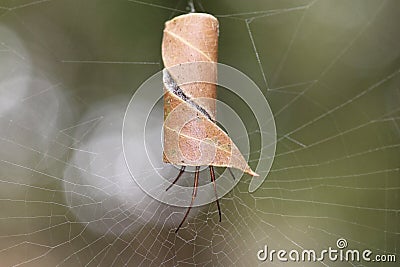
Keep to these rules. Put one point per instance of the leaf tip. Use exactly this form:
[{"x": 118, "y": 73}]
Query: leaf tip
[{"x": 252, "y": 173}]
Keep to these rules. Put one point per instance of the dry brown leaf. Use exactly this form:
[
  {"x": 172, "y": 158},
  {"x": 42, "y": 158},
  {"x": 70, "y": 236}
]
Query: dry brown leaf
[{"x": 191, "y": 136}]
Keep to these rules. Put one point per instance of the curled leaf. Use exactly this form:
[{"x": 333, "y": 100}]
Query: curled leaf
[{"x": 191, "y": 136}]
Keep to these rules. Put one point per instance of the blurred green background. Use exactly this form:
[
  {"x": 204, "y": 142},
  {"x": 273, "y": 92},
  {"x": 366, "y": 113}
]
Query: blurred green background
[{"x": 329, "y": 69}]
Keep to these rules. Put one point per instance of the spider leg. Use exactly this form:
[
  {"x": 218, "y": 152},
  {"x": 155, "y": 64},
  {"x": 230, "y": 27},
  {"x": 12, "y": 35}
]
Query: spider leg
[
  {"x": 212, "y": 174},
  {"x": 230, "y": 171},
  {"x": 176, "y": 179},
  {"x": 196, "y": 182}
]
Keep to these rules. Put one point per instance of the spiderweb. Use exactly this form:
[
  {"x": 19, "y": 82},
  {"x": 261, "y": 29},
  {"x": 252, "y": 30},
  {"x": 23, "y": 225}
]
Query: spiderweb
[{"x": 329, "y": 69}]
